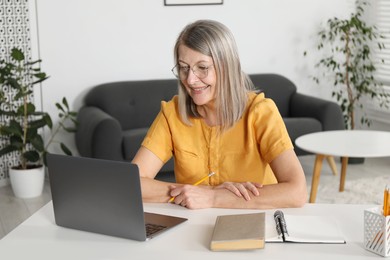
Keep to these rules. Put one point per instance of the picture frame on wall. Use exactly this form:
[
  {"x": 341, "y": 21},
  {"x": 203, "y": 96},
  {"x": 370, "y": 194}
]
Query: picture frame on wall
[{"x": 192, "y": 2}]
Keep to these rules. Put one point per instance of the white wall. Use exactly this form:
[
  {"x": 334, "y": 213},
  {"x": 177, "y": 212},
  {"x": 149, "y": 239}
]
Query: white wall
[{"x": 89, "y": 42}]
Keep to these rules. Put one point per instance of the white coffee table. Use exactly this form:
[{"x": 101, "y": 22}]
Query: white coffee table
[{"x": 343, "y": 143}]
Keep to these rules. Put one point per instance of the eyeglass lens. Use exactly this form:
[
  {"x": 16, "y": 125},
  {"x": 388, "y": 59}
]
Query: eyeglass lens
[{"x": 181, "y": 72}]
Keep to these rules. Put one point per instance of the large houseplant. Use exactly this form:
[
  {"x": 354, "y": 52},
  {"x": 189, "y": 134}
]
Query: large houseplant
[
  {"x": 23, "y": 130},
  {"x": 347, "y": 48}
]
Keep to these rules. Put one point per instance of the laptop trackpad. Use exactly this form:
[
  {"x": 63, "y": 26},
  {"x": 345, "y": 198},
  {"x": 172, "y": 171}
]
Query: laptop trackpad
[{"x": 162, "y": 220}]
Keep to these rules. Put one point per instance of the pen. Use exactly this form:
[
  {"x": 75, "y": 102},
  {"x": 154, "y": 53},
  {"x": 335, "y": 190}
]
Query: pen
[{"x": 196, "y": 183}]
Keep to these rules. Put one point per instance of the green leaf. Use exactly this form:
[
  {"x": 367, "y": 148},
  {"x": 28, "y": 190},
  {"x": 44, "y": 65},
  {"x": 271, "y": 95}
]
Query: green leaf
[
  {"x": 36, "y": 124},
  {"x": 8, "y": 149},
  {"x": 14, "y": 128},
  {"x": 31, "y": 133},
  {"x": 59, "y": 107},
  {"x": 30, "y": 109},
  {"x": 39, "y": 80},
  {"x": 37, "y": 143},
  {"x": 8, "y": 113},
  {"x": 14, "y": 83},
  {"x": 65, "y": 102},
  {"x": 31, "y": 156},
  {"x": 17, "y": 142},
  {"x": 65, "y": 149},
  {"x": 48, "y": 120},
  {"x": 40, "y": 75},
  {"x": 17, "y": 54},
  {"x": 30, "y": 63},
  {"x": 44, "y": 158}
]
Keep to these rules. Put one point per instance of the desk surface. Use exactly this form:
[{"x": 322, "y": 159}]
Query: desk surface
[
  {"x": 39, "y": 238},
  {"x": 347, "y": 143}
]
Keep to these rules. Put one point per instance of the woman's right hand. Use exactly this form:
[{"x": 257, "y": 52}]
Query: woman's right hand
[{"x": 241, "y": 189}]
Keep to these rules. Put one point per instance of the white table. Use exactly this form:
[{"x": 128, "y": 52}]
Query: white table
[
  {"x": 343, "y": 143},
  {"x": 39, "y": 238}
]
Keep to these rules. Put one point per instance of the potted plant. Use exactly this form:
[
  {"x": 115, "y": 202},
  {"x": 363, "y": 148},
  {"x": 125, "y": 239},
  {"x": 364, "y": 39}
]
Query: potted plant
[
  {"x": 347, "y": 46},
  {"x": 23, "y": 130}
]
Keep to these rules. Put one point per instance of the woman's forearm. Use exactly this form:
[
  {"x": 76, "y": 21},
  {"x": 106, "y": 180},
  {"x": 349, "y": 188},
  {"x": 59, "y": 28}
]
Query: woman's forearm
[
  {"x": 279, "y": 195},
  {"x": 270, "y": 196},
  {"x": 154, "y": 190}
]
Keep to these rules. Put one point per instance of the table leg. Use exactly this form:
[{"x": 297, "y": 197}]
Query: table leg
[
  {"x": 316, "y": 177},
  {"x": 344, "y": 164},
  {"x": 332, "y": 164}
]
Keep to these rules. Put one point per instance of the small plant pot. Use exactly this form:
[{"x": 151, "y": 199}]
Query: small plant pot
[{"x": 27, "y": 183}]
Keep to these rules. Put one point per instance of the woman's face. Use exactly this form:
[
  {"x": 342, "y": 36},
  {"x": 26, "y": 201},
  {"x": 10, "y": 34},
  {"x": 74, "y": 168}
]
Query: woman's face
[{"x": 197, "y": 75}]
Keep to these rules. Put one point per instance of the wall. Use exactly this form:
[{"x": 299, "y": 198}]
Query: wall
[{"x": 85, "y": 43}]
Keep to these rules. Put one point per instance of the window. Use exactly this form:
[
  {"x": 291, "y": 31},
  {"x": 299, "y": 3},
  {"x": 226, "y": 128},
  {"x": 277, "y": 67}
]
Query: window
[
  {"x": 381, "y": 18},
  {"x": 379, "y": 14}
]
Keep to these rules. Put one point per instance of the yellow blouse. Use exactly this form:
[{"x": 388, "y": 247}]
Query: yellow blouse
[{"x": 240, "y": 154}]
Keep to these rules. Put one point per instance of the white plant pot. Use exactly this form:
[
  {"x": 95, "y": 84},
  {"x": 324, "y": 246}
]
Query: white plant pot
[{"x": 27, "y": 183}]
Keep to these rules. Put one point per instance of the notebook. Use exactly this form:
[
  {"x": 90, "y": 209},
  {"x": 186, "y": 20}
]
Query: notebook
[
  {"x": 238, "y": 232},
  {"x": 102, "y": 196},
  {"x": 303, "y": 229}
]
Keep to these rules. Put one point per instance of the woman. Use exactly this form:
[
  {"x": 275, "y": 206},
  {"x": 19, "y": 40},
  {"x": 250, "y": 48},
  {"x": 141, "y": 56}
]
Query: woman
[{"x": 218, "y": 124}]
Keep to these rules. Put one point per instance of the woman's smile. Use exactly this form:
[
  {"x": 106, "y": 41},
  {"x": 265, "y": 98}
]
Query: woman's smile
[{"x": 198, "y": 90}]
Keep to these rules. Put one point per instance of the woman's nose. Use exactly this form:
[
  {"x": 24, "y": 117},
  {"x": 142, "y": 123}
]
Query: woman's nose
[{"x": 191, "y": 77}]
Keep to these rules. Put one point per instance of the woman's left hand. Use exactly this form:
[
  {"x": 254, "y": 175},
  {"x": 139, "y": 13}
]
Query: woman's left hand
[{"x": 241, "y": 189}]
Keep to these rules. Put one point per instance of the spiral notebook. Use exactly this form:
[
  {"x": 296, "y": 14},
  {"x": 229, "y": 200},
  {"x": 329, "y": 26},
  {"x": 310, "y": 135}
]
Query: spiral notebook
[{"x": 303, "y": 229}]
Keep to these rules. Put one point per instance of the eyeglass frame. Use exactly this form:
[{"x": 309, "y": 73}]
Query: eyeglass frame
[{"x": 178, "y": 66}]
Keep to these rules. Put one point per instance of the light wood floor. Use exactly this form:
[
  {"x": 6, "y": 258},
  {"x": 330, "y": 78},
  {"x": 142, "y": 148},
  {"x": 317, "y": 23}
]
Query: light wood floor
[{"x": 14, "y": 211}]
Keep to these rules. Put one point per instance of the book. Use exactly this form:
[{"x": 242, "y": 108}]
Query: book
[
  {"x": 303, "y": 229},
  {"x": 238, "y": 232}
]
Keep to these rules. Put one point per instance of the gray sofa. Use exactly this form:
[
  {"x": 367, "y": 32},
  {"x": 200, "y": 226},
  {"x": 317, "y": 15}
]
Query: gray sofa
[{"x": 116, "y": 116}]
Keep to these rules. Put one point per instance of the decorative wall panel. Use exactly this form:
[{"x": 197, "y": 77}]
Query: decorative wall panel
[{"x": 14, "y": 32}]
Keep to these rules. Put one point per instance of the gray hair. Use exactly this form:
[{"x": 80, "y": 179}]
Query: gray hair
[{"x": 215, "y": 40}]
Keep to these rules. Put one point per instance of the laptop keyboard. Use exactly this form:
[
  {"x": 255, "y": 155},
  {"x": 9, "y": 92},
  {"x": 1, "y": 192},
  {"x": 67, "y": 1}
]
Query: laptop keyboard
[{"x": 153, "y": 229}]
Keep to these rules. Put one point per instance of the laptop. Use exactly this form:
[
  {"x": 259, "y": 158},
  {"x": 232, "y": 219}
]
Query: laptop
[{"x": 102, "y": 196}]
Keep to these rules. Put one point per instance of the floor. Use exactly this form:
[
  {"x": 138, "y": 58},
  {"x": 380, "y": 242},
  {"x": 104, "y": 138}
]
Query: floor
[{"x": 14, "y": 211}]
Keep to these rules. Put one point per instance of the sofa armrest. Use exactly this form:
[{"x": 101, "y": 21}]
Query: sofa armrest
[
  {"x": 98, "y": 135},
  {"x": 327, "y": 112}
]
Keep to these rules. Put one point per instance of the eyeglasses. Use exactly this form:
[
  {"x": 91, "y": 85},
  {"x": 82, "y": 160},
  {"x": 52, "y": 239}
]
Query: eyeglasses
[{"x": 181, "y": 72}]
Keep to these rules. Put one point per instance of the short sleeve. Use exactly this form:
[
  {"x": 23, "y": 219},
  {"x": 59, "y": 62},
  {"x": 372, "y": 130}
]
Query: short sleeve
[
  {"x": 159, "y": 138},
  {"x": 271, "y": 133}
]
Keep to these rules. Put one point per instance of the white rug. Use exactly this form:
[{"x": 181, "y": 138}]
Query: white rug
[{"x": 360, "y": 191}]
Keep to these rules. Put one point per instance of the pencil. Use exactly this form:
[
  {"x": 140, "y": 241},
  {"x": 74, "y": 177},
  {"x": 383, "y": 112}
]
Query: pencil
[
  {"x": 196, "y": 183},
  {"x": 385, "y": 201}
]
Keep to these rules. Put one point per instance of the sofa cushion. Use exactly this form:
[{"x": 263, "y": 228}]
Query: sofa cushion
[
  {"x": 297, "y": 127},
  {"x": 134, "y": 104},
  {"x": 276, "y": 87},
  {"x": 132, "y": 140}
]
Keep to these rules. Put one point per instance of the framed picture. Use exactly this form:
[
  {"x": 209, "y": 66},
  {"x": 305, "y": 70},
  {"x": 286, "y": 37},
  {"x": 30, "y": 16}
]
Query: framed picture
[{"x": 193, "y": 2}]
